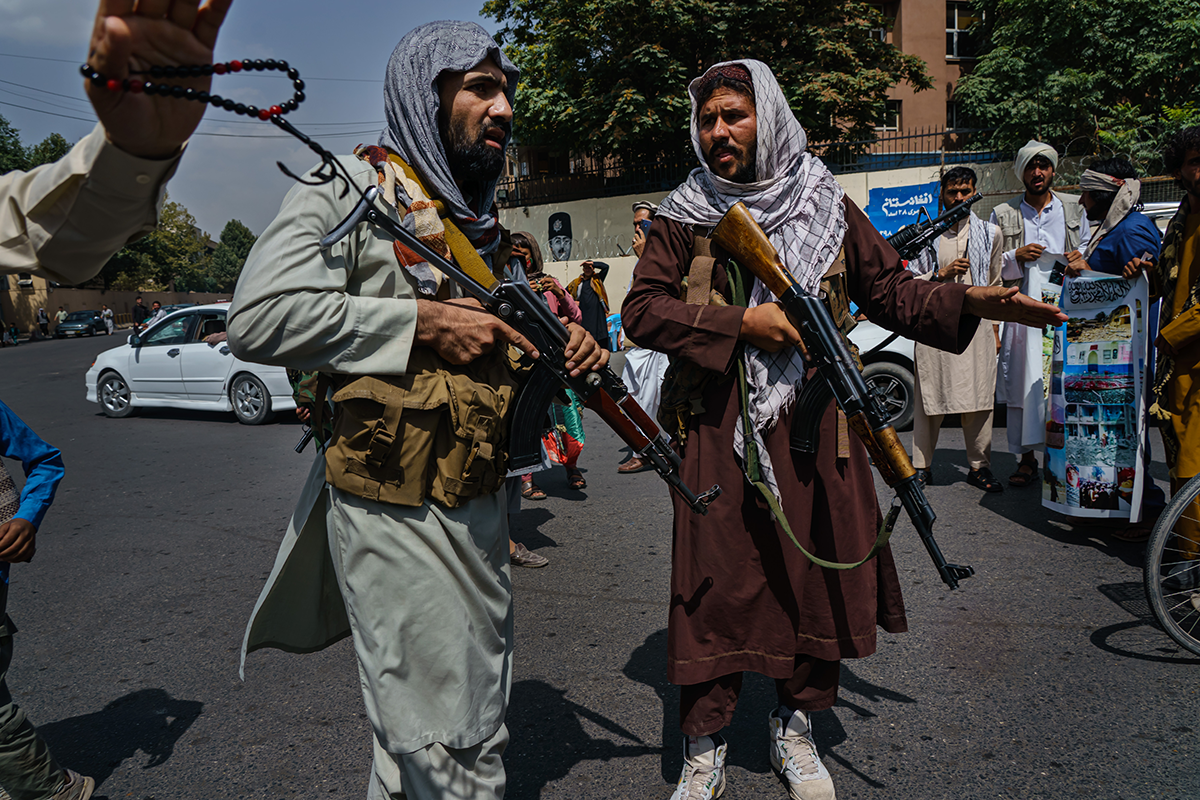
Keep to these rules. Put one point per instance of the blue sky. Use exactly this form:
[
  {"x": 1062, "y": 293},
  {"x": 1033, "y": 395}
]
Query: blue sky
[{"x": 340, "y": 48}]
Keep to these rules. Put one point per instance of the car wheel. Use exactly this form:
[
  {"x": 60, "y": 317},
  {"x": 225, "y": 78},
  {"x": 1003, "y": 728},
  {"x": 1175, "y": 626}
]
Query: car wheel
[
  {"x": 251, "y": 403},
  {"x": 896, "y": 387},
  {"x": 114, "y": 396}
]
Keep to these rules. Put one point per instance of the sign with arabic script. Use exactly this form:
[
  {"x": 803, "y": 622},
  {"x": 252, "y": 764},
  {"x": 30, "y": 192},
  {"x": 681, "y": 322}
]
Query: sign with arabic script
[{"x": 893, "y": 207}]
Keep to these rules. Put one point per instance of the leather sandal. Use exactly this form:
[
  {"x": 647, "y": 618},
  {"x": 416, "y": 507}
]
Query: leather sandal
[
  {"x": 531, "y": 491},
  {"x": 575, "y": 479},
  {"x": 983, "y": 478},
  {"x": 1022, "y": 478}
]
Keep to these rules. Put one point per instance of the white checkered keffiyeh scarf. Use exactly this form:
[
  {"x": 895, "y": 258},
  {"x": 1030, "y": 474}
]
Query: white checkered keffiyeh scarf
[
  {"x": 979, "y": 253},
  {"x": 798, "y": 204}
]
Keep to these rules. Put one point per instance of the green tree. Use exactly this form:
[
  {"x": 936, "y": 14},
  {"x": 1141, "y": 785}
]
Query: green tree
[
  {"x": 47, "y": 151},
  {"x": 1086, "y": 73},
  {"x": 173, "y": 252},
  {"x": 12, "y": 152},
  {"x": 230, "y": 256},
  {"x": 609, "y": 77}
]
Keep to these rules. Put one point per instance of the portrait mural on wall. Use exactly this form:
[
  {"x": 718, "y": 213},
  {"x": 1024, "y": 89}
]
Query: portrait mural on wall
[{"x": 560, "y": 235}]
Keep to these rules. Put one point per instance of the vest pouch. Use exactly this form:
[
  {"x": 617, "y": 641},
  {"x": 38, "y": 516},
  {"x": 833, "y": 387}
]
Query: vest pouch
[{"x": 436, "y": 434}]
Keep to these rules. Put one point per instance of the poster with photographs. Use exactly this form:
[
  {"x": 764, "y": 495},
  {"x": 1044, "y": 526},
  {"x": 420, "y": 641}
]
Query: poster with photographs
[{"x": 1094, "y": 415}]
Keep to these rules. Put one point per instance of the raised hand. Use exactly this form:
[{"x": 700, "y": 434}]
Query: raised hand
[{"x": 136, "y": 35}]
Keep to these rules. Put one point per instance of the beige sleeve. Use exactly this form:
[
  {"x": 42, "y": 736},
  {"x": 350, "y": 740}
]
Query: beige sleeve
[
  {"x": 345, "y": 309},
  {"x": 64, "y": 220}
]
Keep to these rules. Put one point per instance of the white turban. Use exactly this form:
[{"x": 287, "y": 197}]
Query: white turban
[{"x": 1031, "y": 150}]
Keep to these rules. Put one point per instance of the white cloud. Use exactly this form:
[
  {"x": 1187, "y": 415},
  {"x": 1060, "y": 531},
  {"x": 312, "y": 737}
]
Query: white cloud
[{"x": 52, "y": 22}]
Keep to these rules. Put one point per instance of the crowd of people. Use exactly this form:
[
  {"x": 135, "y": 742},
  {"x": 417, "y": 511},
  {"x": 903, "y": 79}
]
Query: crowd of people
[{"x": 400, "y": 537}]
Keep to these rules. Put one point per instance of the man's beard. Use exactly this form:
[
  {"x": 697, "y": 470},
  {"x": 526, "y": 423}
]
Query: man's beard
[
  {"x": 473, "y": 159},
  {"x": 1035, "y": 192},
  {"x": 746, "y": 172}
]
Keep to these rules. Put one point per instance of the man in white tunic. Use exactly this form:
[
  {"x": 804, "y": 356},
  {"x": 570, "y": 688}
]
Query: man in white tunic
[
  {"x": 1038, "y": 221},
  {"x": 965, "y": 384},
  {"x": 380, "y": 552}
]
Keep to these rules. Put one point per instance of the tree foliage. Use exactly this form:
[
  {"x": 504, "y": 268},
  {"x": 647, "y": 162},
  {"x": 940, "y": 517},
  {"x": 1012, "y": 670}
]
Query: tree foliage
[
  {"x": 1119, "y": 76},
  {"x": 173, "y": 252},
  {"x": 47, "y": 151},
  {"x": 609, "y": 77},
  {"x": 230, "y": 256}
]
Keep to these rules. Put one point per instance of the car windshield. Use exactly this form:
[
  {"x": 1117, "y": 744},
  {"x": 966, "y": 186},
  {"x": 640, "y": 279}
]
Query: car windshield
[{"x": 77, "y": 315}]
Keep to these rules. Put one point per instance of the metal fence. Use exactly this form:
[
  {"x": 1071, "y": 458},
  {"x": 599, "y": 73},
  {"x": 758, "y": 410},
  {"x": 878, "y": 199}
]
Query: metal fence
[{"x": 926, "y": 147}]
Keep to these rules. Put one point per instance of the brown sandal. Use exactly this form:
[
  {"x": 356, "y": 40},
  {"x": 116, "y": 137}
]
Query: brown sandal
[
  {"x": 531, "y": 491},
  {"x": 1022, "y": 478},
  {"x": 575, "y": 479}
]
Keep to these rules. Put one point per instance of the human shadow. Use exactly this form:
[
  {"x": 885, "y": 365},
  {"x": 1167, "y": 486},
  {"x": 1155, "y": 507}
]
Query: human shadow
[
  {"x": 524, "y": 525},
  {"x": 648, "y": 665},
  {"x": 149, "y": 721},
  {"x": 549, "y": 739}
]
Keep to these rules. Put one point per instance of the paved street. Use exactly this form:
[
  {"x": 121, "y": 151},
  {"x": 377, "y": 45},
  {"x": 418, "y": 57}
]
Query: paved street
[{"x": 1042, "y": 677}]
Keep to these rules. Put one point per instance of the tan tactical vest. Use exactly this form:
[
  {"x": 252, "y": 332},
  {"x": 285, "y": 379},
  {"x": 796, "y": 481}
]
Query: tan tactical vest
[{"x": 437, "y": 433}]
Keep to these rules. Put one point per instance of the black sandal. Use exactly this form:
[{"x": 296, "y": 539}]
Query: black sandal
[
  {"x": 984, "y": 479},
  {"x": 575, "y": 479},
  {"x": 1021, "y": 478}
]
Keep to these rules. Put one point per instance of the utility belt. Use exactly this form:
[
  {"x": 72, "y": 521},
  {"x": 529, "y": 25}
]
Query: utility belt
[
  {"x": 439, "y": 433},
  {"x": 685, "y": 383}
]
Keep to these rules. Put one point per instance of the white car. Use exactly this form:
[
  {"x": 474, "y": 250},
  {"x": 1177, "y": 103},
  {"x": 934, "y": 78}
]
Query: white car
[
  {"x": 170, "y": 365},
  {"x": 889, "y": 371}
]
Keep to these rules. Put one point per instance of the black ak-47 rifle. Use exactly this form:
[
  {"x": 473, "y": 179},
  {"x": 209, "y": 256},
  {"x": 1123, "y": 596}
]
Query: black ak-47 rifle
[
  {"x": 837, "y": 375},
  {"x": 518, "y": 305},
  {"x": 910, "y": 240}
]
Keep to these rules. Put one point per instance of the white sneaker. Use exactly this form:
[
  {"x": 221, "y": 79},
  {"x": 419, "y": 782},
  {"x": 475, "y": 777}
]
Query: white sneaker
[
  {"x": 703, "y": 775},
  {"x": 794, "y": 757}
]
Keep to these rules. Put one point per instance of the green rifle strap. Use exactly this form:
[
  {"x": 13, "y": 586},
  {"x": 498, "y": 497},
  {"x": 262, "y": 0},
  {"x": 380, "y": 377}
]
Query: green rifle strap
[{"x": 753, "y": 468}]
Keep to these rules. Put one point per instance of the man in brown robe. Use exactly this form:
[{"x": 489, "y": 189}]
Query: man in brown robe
[{"x": 743, "y": 596}]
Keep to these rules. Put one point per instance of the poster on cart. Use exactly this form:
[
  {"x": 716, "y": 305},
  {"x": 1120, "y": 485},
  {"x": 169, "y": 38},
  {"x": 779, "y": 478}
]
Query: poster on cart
[{"x": 1095, "y": 411}]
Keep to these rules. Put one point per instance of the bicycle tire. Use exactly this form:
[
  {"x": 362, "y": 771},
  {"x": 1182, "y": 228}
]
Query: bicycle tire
[{"x": 1177, "y": 608}]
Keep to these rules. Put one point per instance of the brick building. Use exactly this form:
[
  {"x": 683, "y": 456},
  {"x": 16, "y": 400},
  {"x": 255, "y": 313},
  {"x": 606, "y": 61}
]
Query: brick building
[{"x": 937, "y": 32}]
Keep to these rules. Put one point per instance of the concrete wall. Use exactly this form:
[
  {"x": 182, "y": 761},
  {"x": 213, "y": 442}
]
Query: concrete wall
[{"x": 19, "y": 304}]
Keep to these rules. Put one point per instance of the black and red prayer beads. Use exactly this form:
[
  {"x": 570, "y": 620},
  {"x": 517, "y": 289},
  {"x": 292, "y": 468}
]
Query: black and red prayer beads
[{"x": 152, "y": 87}]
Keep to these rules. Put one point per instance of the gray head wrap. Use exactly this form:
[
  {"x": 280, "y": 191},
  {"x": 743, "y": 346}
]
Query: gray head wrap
[
  {"x": 411, "y": 103},
  {"x": 1030, "y": 151},
  {"x": 1128, "y": 191}
]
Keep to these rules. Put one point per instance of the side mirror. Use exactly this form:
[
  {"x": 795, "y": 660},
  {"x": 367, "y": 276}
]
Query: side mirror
[{"x": 134, "y": 340}]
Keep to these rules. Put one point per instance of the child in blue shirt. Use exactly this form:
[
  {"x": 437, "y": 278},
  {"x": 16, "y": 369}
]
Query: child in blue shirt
[{"x": 27, "y": 770}]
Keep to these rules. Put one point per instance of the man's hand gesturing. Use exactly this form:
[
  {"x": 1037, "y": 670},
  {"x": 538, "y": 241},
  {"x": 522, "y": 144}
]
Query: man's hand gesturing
[
  {"x": 1009, "y": 305},
  {"x": 461, "y": 331},
  {"x": 136, "y": 35}
]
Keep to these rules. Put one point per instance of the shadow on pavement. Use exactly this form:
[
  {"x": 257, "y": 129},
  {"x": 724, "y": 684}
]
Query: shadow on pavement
[
  {"x": 1151, "y": 644},
  {"x": 149, "y": 721},
  {"x": 548, "y": 738},
  {"x": 747, "y": 734}
]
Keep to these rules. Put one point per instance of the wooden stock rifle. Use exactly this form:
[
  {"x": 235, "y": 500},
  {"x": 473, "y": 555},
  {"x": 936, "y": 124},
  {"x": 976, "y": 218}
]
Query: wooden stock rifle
[{"x": 837, "y": 373}]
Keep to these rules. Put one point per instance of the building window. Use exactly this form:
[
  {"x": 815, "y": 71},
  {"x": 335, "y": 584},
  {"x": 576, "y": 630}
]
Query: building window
[
  {"x": 957, "y": 117},
  {"x": 891, "y": 116},
  {"x": 888, "y": 12},
  {"x": 960, "y": 40}
]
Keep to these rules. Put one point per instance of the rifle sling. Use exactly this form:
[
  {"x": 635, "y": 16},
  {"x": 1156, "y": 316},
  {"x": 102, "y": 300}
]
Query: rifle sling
[{"x": 753, "y": 470}]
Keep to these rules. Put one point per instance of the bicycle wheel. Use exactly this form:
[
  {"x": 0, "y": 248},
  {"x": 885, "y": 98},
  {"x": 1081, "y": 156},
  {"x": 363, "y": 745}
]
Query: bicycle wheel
[{"x": 1172, "y": 570}]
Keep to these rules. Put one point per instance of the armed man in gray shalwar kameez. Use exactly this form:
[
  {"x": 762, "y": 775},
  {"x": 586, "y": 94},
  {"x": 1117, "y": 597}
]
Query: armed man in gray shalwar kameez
[{"x": 387, "y": 542}]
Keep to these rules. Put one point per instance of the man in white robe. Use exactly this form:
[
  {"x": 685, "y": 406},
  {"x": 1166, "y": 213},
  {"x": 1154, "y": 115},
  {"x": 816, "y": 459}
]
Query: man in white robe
[
  {"x": 968, "y": 253},
  {"x": 1036, "y": 222}
]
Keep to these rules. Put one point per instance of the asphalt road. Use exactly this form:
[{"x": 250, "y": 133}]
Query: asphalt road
[{"x": 1042, "y": 677}]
